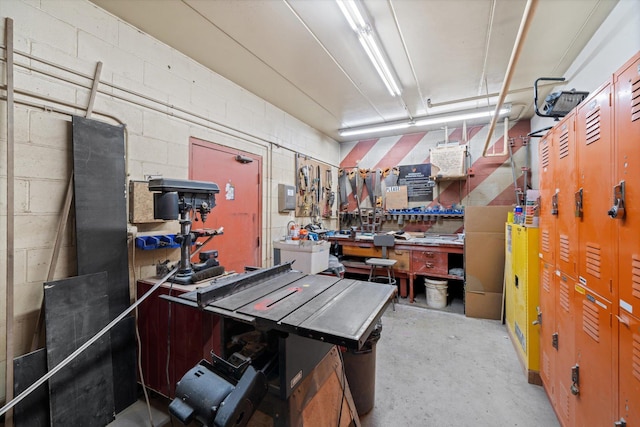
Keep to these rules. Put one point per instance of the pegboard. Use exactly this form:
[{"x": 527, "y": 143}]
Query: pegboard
[{"x": 315, "y": 189}]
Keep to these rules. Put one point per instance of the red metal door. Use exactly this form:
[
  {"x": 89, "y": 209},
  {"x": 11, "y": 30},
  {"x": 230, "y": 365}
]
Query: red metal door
[
  {"x": 566, "y": 180},
  {"x": 629, "y": 378},
  {"x": 548, "y": 329},
  {"x": 239, "y": 204},
  {"x": 548, "y": 220},
  {"x": 596, "y": 230},
  {"x": 566, "y": 356},
  {"x": 627, "y": 131},
  {"x": 594, "y": 357}
]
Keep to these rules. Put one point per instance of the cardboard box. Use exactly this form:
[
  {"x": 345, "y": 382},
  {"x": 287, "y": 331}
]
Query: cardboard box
[
  {"x": 485, "y": 218},
  {"x": 487, "y": 305},
  {"x": 484, "y": 261}
]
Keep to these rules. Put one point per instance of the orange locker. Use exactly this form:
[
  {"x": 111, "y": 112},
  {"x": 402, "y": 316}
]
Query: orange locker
[
  {"x": 566, "y": 180},
  {"x": 595, "y": 150},
  {"x": 547, "y": 198},
  {"x": 629, "y": 378},
  {"x": 592, "y": 375},
  {"x": 547, "y": 329},
  {"x": 565, "y": 348},
  {"x": 627, "y": 178}
]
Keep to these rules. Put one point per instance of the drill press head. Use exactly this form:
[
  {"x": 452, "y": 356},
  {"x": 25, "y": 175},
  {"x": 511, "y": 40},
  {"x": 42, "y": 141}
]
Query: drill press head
[
  {"x": 177, "y": 196},
  {"x": 177, "y": 199}
]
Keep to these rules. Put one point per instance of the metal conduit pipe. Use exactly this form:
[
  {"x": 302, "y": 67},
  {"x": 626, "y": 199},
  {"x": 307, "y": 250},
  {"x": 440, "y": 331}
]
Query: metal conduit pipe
[
  {"x": 527, "y": 17},
  {"x": 166, "y": 108},
  {"x": 483, "y": 97},
  {"x": 161, "y": 107}
]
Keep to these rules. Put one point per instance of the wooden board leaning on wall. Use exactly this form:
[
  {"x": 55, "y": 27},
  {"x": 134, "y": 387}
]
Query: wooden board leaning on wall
[{"x": 315, "y": 189}]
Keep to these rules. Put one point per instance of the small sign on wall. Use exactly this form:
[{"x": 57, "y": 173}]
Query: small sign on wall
[
  {"x": 396, "y": 197},
  {"x": 229, "y": 191}
]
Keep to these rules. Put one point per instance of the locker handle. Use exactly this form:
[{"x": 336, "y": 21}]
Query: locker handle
[
  {"x": 578, "y": 201},
  {"x": 617, "y": 210},
  {"x": 624, "y": 321},
  {"x": 554, "y": 204}
]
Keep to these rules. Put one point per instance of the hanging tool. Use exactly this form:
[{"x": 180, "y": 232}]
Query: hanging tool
[
  {"x": 329, "y": 196},
  {"x": 366, "y": 176},
  {"x": 377, "y": 189},
  {"x": 342, "y": 188},
  {"x": 353, "y": 180},
  {"x": 391, "y": 178}
]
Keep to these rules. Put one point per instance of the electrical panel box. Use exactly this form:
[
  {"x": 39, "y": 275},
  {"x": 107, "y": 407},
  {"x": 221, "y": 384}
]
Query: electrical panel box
[{"x": 286, "y": 198}]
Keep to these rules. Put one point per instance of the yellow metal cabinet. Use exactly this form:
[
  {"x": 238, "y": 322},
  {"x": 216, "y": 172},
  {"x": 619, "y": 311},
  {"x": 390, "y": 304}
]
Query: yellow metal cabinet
[{"x": 522, "y": 296}]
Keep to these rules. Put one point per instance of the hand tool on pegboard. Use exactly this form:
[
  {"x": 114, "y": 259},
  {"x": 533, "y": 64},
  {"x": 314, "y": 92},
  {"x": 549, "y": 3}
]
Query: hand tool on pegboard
[
  {"x": 391, "y": 178},
  {"x": 366, "y": 176},
  {"x": 353, "y": 181},
  {"x": 329, "y": 196},
  {"x": 377, "y": 188},
  {"x": 342, "y": 189}
]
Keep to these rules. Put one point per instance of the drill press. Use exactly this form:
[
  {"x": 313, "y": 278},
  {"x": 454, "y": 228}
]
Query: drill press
[{"x": 178, "y": 199}]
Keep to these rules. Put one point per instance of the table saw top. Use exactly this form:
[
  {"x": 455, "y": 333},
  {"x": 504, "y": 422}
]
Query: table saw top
[{"x": 326, "y": 308}]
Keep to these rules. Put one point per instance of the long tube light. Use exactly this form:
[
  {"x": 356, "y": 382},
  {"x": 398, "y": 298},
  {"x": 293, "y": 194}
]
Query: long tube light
[
  {"x": 426, "y": 121},
  {"x": 367, "y": 38}
]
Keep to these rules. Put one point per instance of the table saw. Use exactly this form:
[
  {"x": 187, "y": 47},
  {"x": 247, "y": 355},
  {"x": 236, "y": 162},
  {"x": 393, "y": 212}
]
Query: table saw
[{"x": 281, "y": 323}]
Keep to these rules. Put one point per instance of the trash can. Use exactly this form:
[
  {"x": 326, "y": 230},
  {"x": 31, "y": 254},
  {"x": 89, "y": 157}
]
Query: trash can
[{"x": 360, "y": 369}]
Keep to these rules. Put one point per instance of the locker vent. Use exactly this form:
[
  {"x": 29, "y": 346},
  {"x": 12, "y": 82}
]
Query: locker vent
[
  {"x": 635, "y": 276},
  {"x": 564, "y": 296},
  {"x": 593, "y": 259},
  {"x": 564, "y": 247},
  {"x": 563, "y": 147},
  {"x": 546, "y": 366},
  {"x": 635, "y": 357},
  {"x": 544, "y": 155},
  {"x": 545, "y": 241},
  {"x": 635, "y": 100},
  {"x": 590, "y": 320},
  {"x": 592, "y": 126},
  {"x": 565, "y": 402},
  {"x": 546, "y": 280}
]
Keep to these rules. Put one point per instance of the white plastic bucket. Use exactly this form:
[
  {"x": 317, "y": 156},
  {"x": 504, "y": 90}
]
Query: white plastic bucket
[{"x": 436, "y": 293}]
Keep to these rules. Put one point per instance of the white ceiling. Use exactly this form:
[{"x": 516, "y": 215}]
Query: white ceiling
[{"x": 301, "y": 55}]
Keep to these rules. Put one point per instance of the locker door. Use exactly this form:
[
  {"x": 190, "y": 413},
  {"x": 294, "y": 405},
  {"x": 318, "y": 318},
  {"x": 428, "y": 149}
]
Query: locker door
[
  {"x": 593, "y": 131},
  {"x": 594, "y": 358},
  {"x": 627, "y": 169},
  {"x": 627, "y": 131},
  {"x": 566, "y": 355},
  {"x": 566, "y": 180},
  {"x": 547, "y": 329},
  {"x": 629, "y": 406},
  {"x": 547, "y": 197}
]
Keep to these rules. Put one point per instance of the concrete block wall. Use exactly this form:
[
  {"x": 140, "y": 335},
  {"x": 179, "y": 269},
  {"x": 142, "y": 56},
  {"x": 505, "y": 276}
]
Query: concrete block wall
[{"x": 163, "y": 98}]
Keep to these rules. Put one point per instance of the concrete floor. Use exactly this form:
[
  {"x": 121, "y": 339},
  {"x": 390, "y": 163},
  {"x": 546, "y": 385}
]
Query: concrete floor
[
  {"x": 439, "y": 368},
  {"x": 436, "y": 368}
]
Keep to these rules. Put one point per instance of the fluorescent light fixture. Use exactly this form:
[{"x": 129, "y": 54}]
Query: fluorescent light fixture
[
  {"x": 425, "y": 121},
  {"x": 367, "y": 38}
]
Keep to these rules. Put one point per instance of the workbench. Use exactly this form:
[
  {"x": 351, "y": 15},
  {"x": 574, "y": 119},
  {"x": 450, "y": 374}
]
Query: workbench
[{"x": 423, "y": 256}]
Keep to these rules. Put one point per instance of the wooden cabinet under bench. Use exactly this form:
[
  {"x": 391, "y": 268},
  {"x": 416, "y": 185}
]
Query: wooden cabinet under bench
[{"x": 416, "y": 257}]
